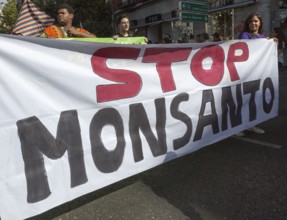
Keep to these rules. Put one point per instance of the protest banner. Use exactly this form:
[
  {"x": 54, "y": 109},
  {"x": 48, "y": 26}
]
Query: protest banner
[{"x": 78, "y": 116}]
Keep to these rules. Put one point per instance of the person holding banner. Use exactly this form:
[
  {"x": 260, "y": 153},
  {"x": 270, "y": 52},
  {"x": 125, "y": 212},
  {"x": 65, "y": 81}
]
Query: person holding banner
[
  {"x": 123, "y": 23},
  {"x": 65, "y": 29},
  {"x": 252, "y": 27},
  {"x": 252, "y": 30}
]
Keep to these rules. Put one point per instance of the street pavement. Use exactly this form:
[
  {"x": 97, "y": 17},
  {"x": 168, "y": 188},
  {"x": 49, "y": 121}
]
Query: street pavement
[{"x": 235, "y": 179}]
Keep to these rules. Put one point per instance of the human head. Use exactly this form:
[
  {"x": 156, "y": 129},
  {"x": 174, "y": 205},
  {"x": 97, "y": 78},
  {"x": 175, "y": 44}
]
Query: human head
[
  {"x": 253, "y": 24},
  {"x": 216, "y": 36},
  {"x": 166, "y": 39},
  {"x": 123, "y": 24},
  {"x": 205, "y": 36},
  {"x": 65, "y": 14},
  {"x": 275, "y": 32},
  {"x": 198, "y": 38}
]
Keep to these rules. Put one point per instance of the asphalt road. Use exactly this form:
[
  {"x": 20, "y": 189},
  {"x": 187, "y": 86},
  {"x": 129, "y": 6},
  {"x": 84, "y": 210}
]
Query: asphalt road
[{"x": 235, "y": 179}]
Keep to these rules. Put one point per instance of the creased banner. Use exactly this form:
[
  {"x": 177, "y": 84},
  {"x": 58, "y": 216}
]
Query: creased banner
[{"x": 78, "y": 116}]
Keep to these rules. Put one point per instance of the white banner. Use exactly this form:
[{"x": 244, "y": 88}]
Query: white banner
[{"x": 78, "y": 116}]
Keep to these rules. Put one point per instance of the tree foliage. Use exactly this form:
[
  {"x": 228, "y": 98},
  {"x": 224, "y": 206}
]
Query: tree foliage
[
  {"x": 93, "y": 15},
  {"x": 9, "y": 18}
]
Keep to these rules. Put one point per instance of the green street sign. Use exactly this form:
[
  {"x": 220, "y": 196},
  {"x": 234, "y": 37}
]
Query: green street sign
[
  {"x": 189, "y": 6},
  {"x": 202, "y": 1},
  {"x": 190, "y": 17}
]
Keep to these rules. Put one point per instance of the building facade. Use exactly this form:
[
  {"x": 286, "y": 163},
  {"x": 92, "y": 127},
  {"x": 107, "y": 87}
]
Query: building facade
[{"x": 154, "y": 18}]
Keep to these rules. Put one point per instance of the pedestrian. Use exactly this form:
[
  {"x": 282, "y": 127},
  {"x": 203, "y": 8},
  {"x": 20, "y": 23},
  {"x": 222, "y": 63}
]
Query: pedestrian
[
  {"x": 179, "y": 41},
  {"x": 205, "y": 37},
  {"x": 283, "y": 28},
  {"x": 216, "y": 37},
  {"x": 253, "y": 29},
  {"x": 166, "y": 39},
  {"x": 198, "y": 38},
  {"x": 277, "y": 33},
  {"x": 64, "y": 28},
  {"x": 123, "y": 23}
]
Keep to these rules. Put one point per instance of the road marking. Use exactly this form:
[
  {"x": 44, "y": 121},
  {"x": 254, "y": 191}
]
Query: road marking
[{"x": 254, "y": 141}]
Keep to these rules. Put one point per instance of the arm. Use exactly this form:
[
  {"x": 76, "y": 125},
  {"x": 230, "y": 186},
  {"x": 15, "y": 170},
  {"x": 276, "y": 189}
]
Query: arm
[{"x": 79, "y": 33}]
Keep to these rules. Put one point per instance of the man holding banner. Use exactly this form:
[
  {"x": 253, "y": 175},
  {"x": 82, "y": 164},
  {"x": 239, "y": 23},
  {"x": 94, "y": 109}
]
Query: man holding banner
[
  {"x": 123, "y": 23},
  {"x": 65, "y": 17}
]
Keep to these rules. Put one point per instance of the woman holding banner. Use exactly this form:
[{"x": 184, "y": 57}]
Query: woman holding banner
[{"x": 252, "y": 30}]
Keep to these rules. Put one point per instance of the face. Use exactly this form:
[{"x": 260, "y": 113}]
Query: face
[
  {"x": 254, "y": 24},
  {"x": 64, "y": 17},
  {"x": 124, "y": 26}
]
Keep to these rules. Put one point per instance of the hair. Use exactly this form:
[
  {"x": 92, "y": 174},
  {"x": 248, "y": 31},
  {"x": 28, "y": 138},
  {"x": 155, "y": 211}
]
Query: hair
[
  {"x": 280, "y": 37},
  {"x": 277, "y": 30},
  {"x": 248, "y": 20},
  {"x": 66, "y": 6},
  {"x": 119, "y": 19},
  {"x": 167, "y": 38},
  {"x": 205, "y": 36}
]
